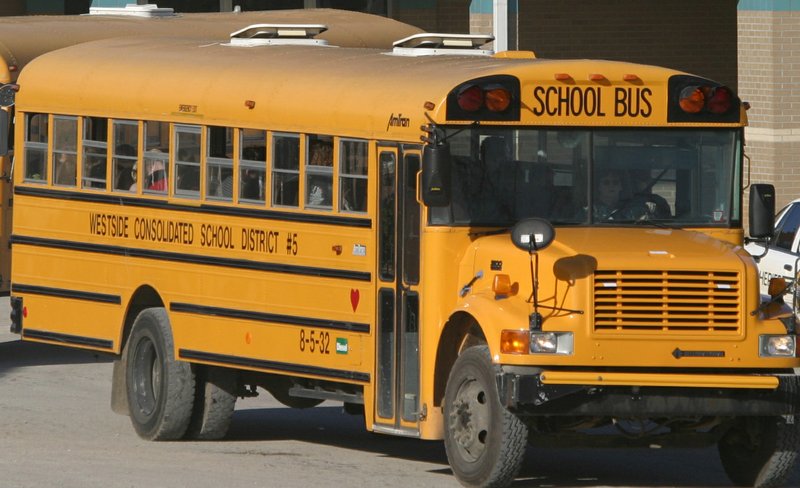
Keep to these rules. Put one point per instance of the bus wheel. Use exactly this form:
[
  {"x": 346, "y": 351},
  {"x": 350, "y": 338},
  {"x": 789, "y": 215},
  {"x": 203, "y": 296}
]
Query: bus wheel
[
  {"x": 160, "y": 389},
  {"x": 760, "y": 451},
  {"x": 214, "y": 401},
  {"x": 485, "y": 443}
]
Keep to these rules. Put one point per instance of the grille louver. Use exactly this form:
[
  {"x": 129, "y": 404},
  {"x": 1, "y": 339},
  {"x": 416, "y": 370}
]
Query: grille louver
[{"x": 658, "y": 302}]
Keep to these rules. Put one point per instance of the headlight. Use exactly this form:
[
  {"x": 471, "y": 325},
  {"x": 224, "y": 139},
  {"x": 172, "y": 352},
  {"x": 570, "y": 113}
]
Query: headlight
[
  {"x": 776, "y": 346},
  {"x": 551, "y": 342}
]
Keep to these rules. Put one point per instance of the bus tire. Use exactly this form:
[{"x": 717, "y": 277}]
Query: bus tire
[
  {"x": 160, "y": 389},
  {"x": 214, "y": 402},
  {"x": 485, "y": 443},
  {"x": 760, "y": 451}
]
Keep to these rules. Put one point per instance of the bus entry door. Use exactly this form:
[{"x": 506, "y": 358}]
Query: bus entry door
[{"x": 397, "y": 408}]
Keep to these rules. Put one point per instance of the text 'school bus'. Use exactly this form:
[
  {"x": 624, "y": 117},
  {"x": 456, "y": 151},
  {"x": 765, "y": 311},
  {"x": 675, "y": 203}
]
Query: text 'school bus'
[
  {"x": 485, "y": 249},
  {"x": 24, "y": 38}
]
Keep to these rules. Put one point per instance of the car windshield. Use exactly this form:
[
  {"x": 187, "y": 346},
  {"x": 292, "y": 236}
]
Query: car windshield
[{"x": 669, "y": 177}]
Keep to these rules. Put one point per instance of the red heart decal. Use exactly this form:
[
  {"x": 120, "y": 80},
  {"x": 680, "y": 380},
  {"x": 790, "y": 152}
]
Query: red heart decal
[{"x": 354, "y": 296}]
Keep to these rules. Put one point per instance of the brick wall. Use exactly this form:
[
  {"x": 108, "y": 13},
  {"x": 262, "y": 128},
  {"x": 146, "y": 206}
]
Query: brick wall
[
  {"x": 769, "y": 72},
  {"x": 697, "y": 37},
  {"x": 450, "y": 16}
]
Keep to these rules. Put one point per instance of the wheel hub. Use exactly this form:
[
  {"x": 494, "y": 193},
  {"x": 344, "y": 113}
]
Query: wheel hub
[{"x": 469, "y": 420}]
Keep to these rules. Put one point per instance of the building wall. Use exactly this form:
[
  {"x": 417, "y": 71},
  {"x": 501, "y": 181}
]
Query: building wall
[
  {"x": 769, "y": 73},
  {"x": 452, "y": 16},
  {"x": 12, "y": 7},
  {"x": 697, "y": 37}
]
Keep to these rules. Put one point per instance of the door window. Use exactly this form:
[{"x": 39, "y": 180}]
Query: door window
[{"x": 787, "y": 228}]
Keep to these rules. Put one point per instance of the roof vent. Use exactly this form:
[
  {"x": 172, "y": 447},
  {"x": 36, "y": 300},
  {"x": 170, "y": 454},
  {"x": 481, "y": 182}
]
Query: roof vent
[
  {"x": 428, "y": 44},
  {"x": 281, "y": 34},
  {"x": 133, "y": 10}
]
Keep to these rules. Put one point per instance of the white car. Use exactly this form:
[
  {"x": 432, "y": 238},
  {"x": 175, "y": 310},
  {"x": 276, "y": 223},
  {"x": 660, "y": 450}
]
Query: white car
[{"x": 781, "y": 258}]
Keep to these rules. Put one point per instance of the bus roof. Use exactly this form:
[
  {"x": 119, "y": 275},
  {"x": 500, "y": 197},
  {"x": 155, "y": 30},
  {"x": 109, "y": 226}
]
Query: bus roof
[
  {"x": 357, "y": 92},
  {"x": 24, "y": 38}
]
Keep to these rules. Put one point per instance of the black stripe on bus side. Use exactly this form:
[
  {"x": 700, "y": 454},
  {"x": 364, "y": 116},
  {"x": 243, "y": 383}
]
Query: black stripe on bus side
[
  {"x": 64, "y": 293},
  {"x": 274, "y": 365},
  {"x": 203, "y": 208},
  {"x": 67, "y": 338},
  {"x": 269, "y": 317},
  {"x": 192, "y": 258}
]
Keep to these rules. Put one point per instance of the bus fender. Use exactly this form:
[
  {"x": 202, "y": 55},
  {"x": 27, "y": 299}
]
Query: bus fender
[{"x": 493, "y": 317}]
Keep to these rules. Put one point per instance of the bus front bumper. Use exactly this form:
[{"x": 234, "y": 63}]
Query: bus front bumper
[{"x": 628, "y": 394}]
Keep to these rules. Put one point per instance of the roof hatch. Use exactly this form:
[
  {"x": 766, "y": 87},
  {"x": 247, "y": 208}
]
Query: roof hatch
[
  {"x": 133, "y": 10},
  {"x": 430, "y": 44},
  {"x": 270, "y": 34}
]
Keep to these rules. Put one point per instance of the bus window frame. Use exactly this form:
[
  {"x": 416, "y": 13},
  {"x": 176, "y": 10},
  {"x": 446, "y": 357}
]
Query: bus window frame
[
  {"x": 319, "y": 175},
  {"x": 255, "y": 165},
  {"x": 70, "y": 152},
  {"x": 353, "y": 177},
  {"x": 155, "y": 154},
  {"x": 116, "y": 157},
  {"x": 219, "y": 164},
  {"x": 275, "y": 169},
  {"x": 179, "y": 164},
  {"x": 37, "y": 147},
  {"x": 93, "y": 149}
]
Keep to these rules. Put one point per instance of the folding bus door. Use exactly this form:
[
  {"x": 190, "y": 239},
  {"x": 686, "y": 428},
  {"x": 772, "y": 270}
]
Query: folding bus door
[{"x": 397, "y": 355}]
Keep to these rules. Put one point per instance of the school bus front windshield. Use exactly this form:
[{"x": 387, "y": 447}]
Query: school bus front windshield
[{"x": 664, "y": 177}]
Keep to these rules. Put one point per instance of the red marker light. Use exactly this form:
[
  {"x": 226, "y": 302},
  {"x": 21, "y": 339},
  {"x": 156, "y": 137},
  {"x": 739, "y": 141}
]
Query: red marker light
[
  {"x": 24, "y": 312},
  {"x": 470, "y": 99},
  {"x": 720, "y": 101},
  {"x": 692, "y": 99},
  {"x": 498, "y": 99}
]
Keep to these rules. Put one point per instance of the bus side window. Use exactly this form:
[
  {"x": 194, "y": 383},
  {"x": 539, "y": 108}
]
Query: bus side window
[
  {"x": 65, "y": 150},
  {"x": 252, "y": 165},
  {"x": 187, "y": 161},
  {"x": 156, "y": 157},
  {"x": 285, "y": 169},
  {"x": 319, "y": 172},
  {"x": 36, "y": 135},
  {"x": 219, "y": 163},
  {"x": 95, "y": 147},
  {"x": 353, "y": 176},
  {"x": 126, "y": 152}
]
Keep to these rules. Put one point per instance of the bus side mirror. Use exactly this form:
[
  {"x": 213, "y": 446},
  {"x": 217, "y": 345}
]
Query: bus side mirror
[
  {"x": 436, "y": 165},
  {"x": 4, "y": 133},
  {"x": 762, "y": 211},
  {"x": 532, "y": 234}
]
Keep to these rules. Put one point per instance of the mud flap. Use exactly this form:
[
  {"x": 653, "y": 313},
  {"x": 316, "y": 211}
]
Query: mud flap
[{"x": 119, "y": 394}]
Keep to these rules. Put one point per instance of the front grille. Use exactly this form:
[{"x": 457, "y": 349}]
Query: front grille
[{"x": 673, "y": 302}]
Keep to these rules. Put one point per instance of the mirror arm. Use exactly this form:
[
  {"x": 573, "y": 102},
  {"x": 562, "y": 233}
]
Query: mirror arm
[{"x": 765, "y": 241}]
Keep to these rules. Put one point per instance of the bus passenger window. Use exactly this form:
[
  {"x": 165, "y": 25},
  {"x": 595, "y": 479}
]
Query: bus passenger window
[
  {"x": 353, "y": 176},
  {"x": 156, "y": 157},
  {"x": 126, "y": 152},
  {"x": 285, "y": 169},
  {"x": 252, "y": 165},
  {"x": 219, "y": 160},
  {"x": 95, "y": 143},
  {"x": 65, "y": 150},
  {"x": 187, "y": 160},
  {"x": 319, "y": 172},
  {"x": 36, "y": 135}
]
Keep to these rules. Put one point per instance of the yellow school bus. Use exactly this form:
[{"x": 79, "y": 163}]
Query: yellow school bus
[
  {"x": 489, "y": 249},
  {"x": 22, "y": 39}
]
